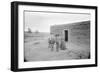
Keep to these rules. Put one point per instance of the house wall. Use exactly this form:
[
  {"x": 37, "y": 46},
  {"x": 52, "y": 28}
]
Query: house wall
[{"x": 77, "y": 32}]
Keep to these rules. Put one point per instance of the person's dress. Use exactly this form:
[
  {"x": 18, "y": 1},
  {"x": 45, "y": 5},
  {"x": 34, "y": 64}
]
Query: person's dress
[{"x": 63, "y": 45}]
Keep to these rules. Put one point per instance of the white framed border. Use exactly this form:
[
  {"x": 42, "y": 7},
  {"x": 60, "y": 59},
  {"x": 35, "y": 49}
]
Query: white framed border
[{"x": 22, "y": 64}]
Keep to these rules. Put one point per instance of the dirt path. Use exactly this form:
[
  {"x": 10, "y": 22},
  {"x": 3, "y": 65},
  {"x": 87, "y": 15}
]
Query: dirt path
[{"x": 37, "y": 51}]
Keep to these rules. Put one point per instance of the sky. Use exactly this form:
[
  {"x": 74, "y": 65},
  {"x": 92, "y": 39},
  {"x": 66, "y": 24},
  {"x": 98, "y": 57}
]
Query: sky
[{"x": 42, "y": 21}]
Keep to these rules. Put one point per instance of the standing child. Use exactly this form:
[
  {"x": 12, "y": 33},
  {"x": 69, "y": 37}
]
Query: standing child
[{"x": 57, "y": 42}]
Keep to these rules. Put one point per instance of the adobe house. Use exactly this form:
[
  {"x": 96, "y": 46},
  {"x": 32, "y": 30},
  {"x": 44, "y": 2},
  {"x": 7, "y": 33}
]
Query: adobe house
[{"x": 78, "y": 32}]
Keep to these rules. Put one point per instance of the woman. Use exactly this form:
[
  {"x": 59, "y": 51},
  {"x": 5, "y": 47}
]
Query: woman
[{"x": 63, "y": 45}]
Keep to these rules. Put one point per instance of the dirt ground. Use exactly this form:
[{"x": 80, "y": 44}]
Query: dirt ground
[{"x": 36, "y": 49}]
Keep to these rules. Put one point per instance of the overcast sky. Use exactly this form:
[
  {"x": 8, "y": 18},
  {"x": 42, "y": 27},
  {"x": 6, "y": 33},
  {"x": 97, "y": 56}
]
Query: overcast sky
[{"x": 42, "y": 21}]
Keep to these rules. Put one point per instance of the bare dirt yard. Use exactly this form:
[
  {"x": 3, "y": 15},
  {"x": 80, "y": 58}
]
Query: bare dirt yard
[{"x": 36, "y": 49}]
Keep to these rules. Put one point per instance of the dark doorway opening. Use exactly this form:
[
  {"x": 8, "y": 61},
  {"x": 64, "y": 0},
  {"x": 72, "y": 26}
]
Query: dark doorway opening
[{"x": 66, "y": 35}]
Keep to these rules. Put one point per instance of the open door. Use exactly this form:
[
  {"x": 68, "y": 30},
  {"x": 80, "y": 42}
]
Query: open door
[{"x": 66, "y": 35}]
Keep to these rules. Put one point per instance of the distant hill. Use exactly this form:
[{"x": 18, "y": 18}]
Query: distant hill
[{"x": 34, "y": 34}]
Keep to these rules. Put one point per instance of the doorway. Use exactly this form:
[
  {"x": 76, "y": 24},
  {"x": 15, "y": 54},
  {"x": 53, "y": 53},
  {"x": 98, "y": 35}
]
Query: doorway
[{"x": 66, "y": 35}]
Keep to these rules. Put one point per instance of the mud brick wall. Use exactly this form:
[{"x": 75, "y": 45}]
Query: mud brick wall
[{"x": 78, "y": 33}]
